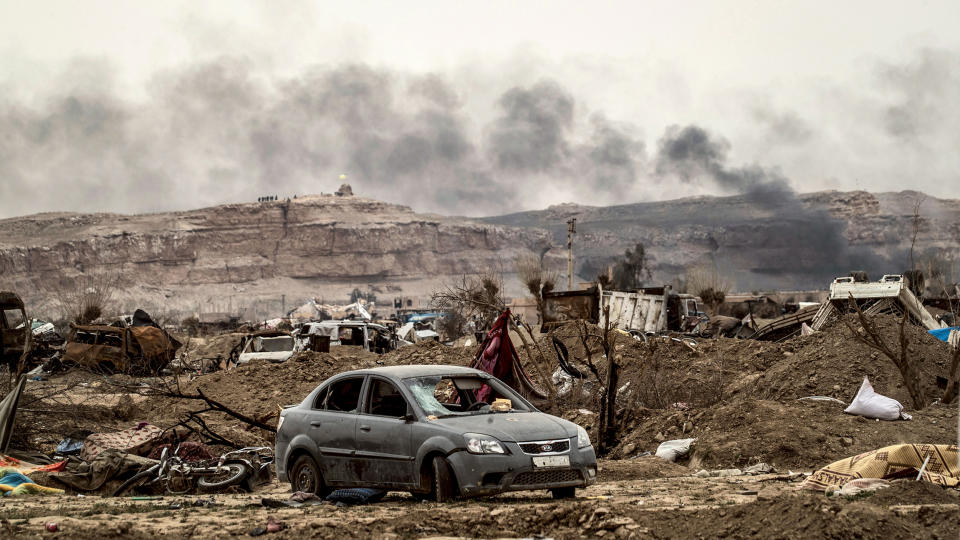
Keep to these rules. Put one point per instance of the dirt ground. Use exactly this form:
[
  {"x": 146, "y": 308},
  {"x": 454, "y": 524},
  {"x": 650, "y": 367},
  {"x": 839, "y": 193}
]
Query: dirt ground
[
  {"x": 637, "y": 498},
  {"x": 740, "y": 399}
]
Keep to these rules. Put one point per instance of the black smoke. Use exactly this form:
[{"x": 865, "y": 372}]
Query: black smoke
[
  {"x": 797, "y": 236},
  {"x": 221, "y": 132}
]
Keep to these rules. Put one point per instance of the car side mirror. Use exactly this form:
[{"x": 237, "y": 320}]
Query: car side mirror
[{"x": 409, "y": 417}]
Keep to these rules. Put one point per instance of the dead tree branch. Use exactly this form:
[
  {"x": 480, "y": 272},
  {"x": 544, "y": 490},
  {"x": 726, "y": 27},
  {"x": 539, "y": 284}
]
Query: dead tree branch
[{"x": 869, "y": 334}]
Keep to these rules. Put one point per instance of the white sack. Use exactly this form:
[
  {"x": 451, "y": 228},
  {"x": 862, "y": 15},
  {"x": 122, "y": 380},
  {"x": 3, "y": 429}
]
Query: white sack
[
  {"x": 671, "y": 450},
  {"x": 870, "y": 404}
]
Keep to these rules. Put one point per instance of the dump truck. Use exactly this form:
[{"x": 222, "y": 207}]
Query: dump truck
[
  {"x": 647, "y": 310},
  {"x": 650, "y": 310},
  {"x": 892, "y": 294}
]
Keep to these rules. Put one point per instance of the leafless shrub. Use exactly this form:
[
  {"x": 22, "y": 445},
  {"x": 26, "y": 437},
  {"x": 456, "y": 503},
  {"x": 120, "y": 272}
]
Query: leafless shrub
[
  {"x": 538, "y": 279},
  {"x": 87, "y": 298},
  {"x": 705, "y": 281}
]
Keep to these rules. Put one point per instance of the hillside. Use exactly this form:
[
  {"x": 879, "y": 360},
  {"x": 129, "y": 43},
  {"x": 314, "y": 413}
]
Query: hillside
[
  {"x": 249, "y": 255},
  {"x": 260, "y": 256},
  {"x": 801, "y": 243}
]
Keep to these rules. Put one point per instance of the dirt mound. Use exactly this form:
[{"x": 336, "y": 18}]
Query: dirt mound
[
  {"x": 911, "y": 492},
  {"x": 832, "y": 363},
  {"x": 429, "y": 352},
  {"x": 798, "y": 435}
]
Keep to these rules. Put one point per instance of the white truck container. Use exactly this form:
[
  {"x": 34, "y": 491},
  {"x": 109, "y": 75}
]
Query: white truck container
[{"x": 649, "y": 310}]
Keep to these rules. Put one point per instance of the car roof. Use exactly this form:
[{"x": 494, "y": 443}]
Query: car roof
[{"x": 405, "y": 372}]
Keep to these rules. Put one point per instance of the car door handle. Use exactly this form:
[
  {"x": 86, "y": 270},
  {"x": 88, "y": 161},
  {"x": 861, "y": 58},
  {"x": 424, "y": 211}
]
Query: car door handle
[
  {"x": 316, "y": 423},
  {"x": 364, "y": 428}
]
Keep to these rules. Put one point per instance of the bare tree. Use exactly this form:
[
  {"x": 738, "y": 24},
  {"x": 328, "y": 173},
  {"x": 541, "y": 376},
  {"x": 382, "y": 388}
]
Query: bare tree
[
  {"x": 871, "y": 335},
  {"x": 631, "y": 271},
  {"x": 605, "y": 337},
  {"x": 86, "y": 299},
  {"x": 538, "y": 279},
  {"x": 480, "y": 296},
  {"x": 705, "y": 281},
  {"x": 472, "y": 297}
]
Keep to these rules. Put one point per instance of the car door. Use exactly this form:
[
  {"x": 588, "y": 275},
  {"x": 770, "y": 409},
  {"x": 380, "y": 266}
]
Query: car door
[
  {"x": 384, "y": 448},
  {"x": 332, "y": 424}
]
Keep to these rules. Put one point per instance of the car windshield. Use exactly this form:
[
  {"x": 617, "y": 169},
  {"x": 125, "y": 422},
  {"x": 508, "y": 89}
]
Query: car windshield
[{"x": 461, "y": 395}]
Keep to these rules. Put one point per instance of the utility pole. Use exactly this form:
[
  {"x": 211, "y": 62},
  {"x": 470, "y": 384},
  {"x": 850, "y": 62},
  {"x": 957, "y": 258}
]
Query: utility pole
[{"x": 571, "y": 230}]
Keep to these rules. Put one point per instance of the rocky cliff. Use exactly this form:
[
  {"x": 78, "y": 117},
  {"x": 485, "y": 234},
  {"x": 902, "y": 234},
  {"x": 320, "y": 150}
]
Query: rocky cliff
[
  {"x": 260, "y": 256},
  {"x": 252, "y": 255}
]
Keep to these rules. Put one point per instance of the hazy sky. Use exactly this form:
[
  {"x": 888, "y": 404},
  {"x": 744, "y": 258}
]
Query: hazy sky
[{"x": 467, "y": 107}]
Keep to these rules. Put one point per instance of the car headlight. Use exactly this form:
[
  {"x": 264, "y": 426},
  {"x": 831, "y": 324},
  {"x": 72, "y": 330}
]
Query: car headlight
[
  {"x": 583, "y": 438},
  {"x": 483, "y": 444},
  {"x": 280, "y": 423}
]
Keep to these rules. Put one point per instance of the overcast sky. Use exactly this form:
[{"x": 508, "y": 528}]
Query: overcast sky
[{"x": 468, "y": 107}]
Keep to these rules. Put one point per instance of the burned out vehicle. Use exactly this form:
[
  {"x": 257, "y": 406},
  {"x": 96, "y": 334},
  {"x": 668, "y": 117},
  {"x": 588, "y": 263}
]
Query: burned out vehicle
[
  {"x": 436, "y": 431},
  {"x": 14, "y": 329},
  {"x": 272, "y": 345},
  {"x": 141, "y": 349},
  {"x": 371, "y": 336}
]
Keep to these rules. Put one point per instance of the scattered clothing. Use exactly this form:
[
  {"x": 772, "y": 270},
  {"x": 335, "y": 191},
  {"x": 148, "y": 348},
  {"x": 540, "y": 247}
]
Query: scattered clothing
[
  {"x": 13, "y": 483},
  {"x": 23, "y": 467},
  {"x": 69, "y": 447},
  {"x": 943, "y": 334},
  {"x": 356, "y": 496}
]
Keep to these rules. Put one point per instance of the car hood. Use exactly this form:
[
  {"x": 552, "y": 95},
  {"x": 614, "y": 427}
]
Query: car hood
[{"x": 513, "y": 427}]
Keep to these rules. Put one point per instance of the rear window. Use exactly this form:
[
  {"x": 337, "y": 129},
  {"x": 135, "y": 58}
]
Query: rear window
[{"x": 344, "y": 395}]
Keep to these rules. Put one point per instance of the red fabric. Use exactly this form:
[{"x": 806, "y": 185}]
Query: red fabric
[{"x": 498, "y": 358}]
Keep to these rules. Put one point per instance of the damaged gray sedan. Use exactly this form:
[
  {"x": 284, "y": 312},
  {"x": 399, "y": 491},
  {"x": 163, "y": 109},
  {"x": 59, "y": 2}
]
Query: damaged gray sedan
[{"x": 438, "y": 432}]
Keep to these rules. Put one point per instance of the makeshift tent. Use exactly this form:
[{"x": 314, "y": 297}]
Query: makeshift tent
[
  {"x": 8, "y": 412},
  {"x": 897, "y": 461},
  {"x": 498, "y": 358}
]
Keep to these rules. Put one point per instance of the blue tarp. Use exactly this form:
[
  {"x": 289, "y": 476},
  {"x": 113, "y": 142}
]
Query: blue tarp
[{"x": 943, "y": 334}]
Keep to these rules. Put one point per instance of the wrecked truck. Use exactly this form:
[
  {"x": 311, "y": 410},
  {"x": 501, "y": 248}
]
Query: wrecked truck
[
  {"x": 13, "y": 329},
  {"x": 137, "y": 350}
]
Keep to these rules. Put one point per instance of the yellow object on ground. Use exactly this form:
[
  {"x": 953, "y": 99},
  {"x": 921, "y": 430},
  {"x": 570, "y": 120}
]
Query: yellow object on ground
[
  {"x": 897, "y": 461},
  {"x": 13, "y": 483}
]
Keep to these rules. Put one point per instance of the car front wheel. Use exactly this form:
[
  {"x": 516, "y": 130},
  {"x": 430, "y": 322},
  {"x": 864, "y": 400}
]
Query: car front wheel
[
  {"x": 305, "y": 476},
  {"x": 444, "y": 484},
  {"x": 564, "y": 492}
]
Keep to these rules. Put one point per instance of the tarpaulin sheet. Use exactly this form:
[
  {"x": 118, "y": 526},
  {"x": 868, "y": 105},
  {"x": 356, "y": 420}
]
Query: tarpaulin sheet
[
  {"x": 8, "y": 412},
  {"x": 943, "y": 334},
  {"x": 889, "y": 462}
]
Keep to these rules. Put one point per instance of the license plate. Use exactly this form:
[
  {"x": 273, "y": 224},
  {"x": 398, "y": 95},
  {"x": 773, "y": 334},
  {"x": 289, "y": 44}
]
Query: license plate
[{"x": 551, "y": 461}]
